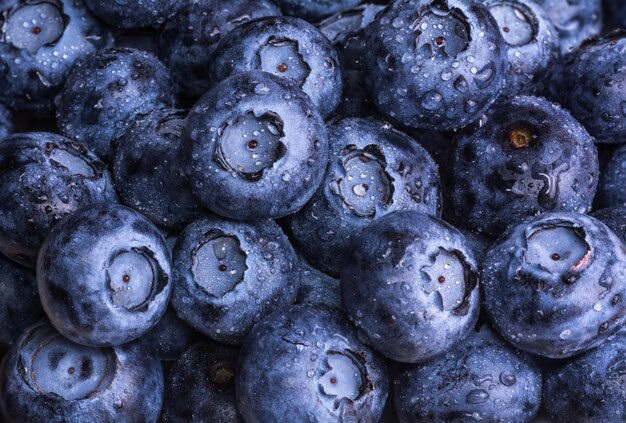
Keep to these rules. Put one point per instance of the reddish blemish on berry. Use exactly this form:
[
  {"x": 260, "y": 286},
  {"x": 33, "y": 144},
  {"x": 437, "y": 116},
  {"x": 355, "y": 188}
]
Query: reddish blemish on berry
[
  {"x": 282, "y": 67},
  {"x": 36, "y": 30},
  {"x": 252, "y": 144},
  {"x": 126, "y": 278},
  {"x": 333, "y": 380},
  {"x": 555, "y": 257},
  {"x": 222, "y": 267},
  {"x": 441, "y": 279}
]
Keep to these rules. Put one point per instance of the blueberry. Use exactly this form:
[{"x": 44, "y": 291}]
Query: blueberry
[
  {"x": 170, "y": 337},
  {"x": 373, "y": 170},
  {"x": 104, "y": 275},
  {"x": 553, "y": 285},
  {"x": 482, "y": 379},
  {"x": 47, "y": 378},
  {"x": 588, "y": 83},
  {"x": 307, "y": 364},
  {"x": 314, "y": 10},
  {"x": 40, "y": 43},
  {"x": 228, "y": 275},
  {"x": 318, "y": 288},
  {"x": 576, "y": 20},
  {"x": 532, "y": 41},
  {"x": 434, "y": 64},
  {"x": 286, "y": 47},
  {"x": 19, "y": 302},
  {"x": 346, "y": 30},
  {"x": 134, "y": 14},
  {"x": 148, "y": 169},
  {"x": 256, "y": 147},
  {"x": 530, "y": 156},
  {"x": 7, "y": 126},
  {"x": 201, "y": 386},
  {"x": 44, "y": 177},
  {"x": 411, "y": 286},
  {"x": 614, "y": 218},
  {"x": 187, "y": 40},
  {"x": 590, "y": 388},
  {"x": 105, "y": 93},
  {"x": 612, "y": 186}
]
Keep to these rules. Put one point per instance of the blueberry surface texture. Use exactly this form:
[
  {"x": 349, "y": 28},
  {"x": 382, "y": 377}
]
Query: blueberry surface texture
[
  {"x": 373, "y": 170},
  {"x": 614, "y": 218},
  {"x": 134, "y": 14},
  {"x": 314, "y": 10},
  {"x": 44, "y": 177},
  {"x": 434, "y": 64},
  {"x": 612, "y": 186},
  {"x": 170, "y": 337},
  {"x": 590, "y": 388},
  {"x": 40, "y": 43},
  {"x": 228, "y": 275},
  {"x": 104, "y": 275},
  {"x": 482, "y": 379},
  {"x": 201, "y": 386},
  {"x": 307, "y": 364},
  {"x": 554, "y": 284},
  {"x": 19, "y": 302},
  {"x": 286, "y": 47},
  {"x": 576, "y": 20},
  {"x": 6, "y": 121},
  {"x": 187, "y": 40},
  {"x": 532, "y": 43},
  {"x": 318, "y": 288},
  {"x": 106, "y": 92},
  {"x": 148, "y": 169},
  {"x": 47, "y": 378},
  {"x": 588, "y": 83},
  {"x": 411, "y": 286},
  {"x": 255, "y": 147},
  {"x": 529, "y": 157}
]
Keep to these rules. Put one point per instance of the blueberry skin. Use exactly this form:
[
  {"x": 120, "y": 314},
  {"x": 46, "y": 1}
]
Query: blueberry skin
[
  {"x": 91, "y": 274},
  {"x": 482, "y": 379},
  {"x": 614, "y": 218},
  {"x": 411, "y": 286},
  {"x": 36, "y": 58},
  {"x": 404, "y": 177},
  {"x": 170, "y": 337},
  {"x": 134, "y": 14},
  {"x": 287, "y": 47},
  {"x": 553, "y": 285},
  {"x": 44, "y": 178},
  {"x": 148, "y": 169},
  {"x": 289, "y": 361},
  {"x": 226, "y": 307},
  {"x": 532, "y": 44},
  {"x": 590, "y": 387},
  {"x": 121, "y": 384},
  {"x": 318, "y": 288},
  {"x": 106, "y": 92},
  {"x": 529, "y": 157},
  {"x": 187, "y": 40},
  {"x": 314, "y": 10},
  {"x": 19, "y": 302},
  {"x": 612, "y": 186},
  {"x": 221, "y": 172},
  {"x": 204, "y": 376},
  {"x": 6, "y": 122},
  {"x": 448, "y": 79},
  {"x": 588, "y": 83},
  {"x": 576, "y": 20}
]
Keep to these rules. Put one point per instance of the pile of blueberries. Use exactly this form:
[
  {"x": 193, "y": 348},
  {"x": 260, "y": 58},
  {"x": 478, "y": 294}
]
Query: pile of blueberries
[{"x": 312, "y": 211}]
